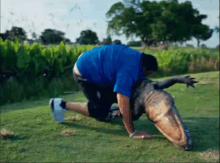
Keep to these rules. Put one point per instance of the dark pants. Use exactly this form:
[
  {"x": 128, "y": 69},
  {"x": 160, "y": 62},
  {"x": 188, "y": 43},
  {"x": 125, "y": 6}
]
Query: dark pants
[{"x": 100, "y": 99}]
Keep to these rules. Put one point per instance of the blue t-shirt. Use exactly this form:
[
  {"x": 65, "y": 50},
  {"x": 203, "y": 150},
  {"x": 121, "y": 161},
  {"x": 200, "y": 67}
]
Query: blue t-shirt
[{"x": 112, "y": 65}]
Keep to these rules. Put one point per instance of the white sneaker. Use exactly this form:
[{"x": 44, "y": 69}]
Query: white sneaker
[
  {"x": 57, "y": 110},
  {"x": 113, "y": 113}
]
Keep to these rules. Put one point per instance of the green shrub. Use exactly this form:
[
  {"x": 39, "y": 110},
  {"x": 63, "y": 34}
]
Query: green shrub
[
  {"x": 180, "y": 61},
  {"x": 38, "y": 71},
  {"x": 41, "y": 71},
  {"x": 173, "y": 61},
  {"x": 134, "y": 43}
]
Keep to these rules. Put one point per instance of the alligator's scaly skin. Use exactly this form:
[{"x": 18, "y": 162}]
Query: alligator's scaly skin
[
  {"x": 145, "y": 94},
  {"x": 148, "y": 97}
]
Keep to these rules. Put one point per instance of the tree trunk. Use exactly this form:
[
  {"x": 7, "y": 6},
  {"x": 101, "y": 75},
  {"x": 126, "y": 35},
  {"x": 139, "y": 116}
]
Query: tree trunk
[{"x": 198, "y": 43}]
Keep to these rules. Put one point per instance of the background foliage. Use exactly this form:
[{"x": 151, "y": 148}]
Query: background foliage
[{"x": 34, "y": 71}]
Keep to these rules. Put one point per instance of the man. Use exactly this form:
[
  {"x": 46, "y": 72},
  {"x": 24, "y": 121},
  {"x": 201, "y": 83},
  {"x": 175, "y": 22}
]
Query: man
[{"x": 107, "y": 75}]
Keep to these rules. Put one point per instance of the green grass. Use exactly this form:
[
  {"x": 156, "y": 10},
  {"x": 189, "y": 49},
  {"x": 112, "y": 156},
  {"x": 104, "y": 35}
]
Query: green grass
[{"x": 38, "y": 137}]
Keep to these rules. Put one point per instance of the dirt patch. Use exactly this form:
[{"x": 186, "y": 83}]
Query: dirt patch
[
  {"x": 5, "y": 134},
  {"x": 67, "y": 132},
  {"x": 210, "y": 155}
]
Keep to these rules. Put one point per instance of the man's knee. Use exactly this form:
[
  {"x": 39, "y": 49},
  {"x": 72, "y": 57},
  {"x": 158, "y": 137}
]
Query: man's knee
[{"x": 98, "y": 111}]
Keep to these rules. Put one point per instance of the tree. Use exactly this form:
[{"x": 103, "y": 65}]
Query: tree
[
  {"x": 134, "y": 19},
  {"x": 52, "y": 36},
  {"x": 34, "y": 35},
  {"x": 217, "y": 29},
  {"x": 117, "y": 42},
  {"x": 15, "y": 32},
  {"x": 108, "y": 40},
  {"x": 134, "y": 43},
  {"x": 2, "y": 35},
  {"x": 201, "y": 33},
  {"x": 67, "y": 40},
  {"x": 154, "y": 22},
  {"x": 87, "y": 37}
]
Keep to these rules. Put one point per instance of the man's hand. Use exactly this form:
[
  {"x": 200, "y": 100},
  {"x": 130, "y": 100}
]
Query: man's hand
[
  {"x": 189, "y": 81},
  {"x": 143, "y": 135}
]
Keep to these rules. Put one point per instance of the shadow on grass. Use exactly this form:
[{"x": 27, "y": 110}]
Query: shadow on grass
[
  {"x": 15, "y": 138},
  {"x": 204, "y": 130},
  {"x": 98, "y": 129},
  {"x": 18, "y": 138}
]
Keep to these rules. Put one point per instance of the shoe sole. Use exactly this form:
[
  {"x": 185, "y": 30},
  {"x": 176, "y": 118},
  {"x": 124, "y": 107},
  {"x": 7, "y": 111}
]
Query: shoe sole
[{"x": 56, "y": 114}]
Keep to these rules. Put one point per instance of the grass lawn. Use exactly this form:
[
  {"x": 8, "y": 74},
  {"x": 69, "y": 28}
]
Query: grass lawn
[{"x": 38, "y": 138}]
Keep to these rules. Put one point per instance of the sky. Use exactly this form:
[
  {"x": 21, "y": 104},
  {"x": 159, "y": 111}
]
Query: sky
[{"x": 73, "y": 16}]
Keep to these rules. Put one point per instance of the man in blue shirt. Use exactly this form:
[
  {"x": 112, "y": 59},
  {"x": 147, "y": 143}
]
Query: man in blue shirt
[{"x": 107, "y": 75}]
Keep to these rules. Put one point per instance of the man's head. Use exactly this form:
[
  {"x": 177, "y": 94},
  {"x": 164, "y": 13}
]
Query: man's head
[{"x": 149, "y": 64}]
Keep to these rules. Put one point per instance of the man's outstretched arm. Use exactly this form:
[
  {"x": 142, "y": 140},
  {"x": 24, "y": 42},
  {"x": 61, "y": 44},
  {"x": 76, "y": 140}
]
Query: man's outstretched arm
[{"x": 177, "y": 79}]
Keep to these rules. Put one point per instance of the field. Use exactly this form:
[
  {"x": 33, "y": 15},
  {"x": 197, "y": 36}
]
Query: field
[{"x": 38, "y": 138}]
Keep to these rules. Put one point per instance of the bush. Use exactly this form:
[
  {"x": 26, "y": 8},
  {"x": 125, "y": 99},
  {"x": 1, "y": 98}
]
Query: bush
[
  {"x": 134, "y": 43},
  {"x": 203, "y": 46},
  {"x": 117, "y": 42},
  {"x": 174, "y": 62},
  {"x": 28, "y": 71},
  {"x": 189, "y": 46}
]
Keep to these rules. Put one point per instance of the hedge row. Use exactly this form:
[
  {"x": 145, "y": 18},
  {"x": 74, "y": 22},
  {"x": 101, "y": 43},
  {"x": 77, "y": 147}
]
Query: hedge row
[
  {"x": 182, "y": 61},
  {"x": 32, "y": 61},
  {"x": 35, "y": 71}
]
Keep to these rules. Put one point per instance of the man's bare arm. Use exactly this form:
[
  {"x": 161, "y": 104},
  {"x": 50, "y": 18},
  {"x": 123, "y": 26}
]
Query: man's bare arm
[
  {"x": 177, "y": 79},
  {"x": 124, "y": 107}
]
